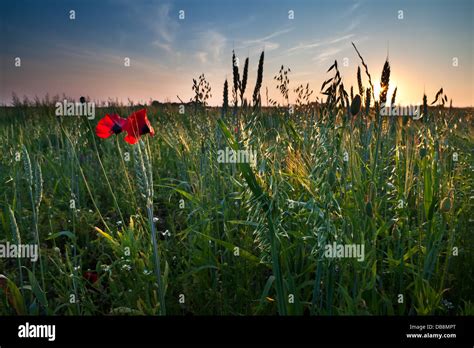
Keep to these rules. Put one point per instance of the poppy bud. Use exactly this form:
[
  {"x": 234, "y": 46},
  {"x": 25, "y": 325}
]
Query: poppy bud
[{"x": 355, "y": 106}]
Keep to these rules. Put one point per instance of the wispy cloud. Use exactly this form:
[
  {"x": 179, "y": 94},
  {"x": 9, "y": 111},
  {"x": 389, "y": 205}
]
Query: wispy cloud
[
  {"x": 323, "y": 56},
  {"x": 163, "y": 25},
  {"x": 163, "y": 45},
  {"x": 211, "y": 44},
  {"x": 353, "y": 24},
  {"x": 267, "y": 38},
  {"x": 266, "y": 42},
  {"x": 354, "y": 7},
  {"x": 350, "y": 10},
  {"x": 320, "y": 43},
  {"x": 340, "y": 39}
]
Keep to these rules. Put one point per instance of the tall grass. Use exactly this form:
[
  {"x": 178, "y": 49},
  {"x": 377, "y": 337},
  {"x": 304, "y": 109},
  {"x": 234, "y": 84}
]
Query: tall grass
[{"x": 236, "y": 239}]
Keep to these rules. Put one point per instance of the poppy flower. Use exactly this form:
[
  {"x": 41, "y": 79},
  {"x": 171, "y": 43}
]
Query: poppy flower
[
  {"x": 137, "y": 125},
  {"x": 91, "y": 276},
  {"x": 110, "y": 124}
]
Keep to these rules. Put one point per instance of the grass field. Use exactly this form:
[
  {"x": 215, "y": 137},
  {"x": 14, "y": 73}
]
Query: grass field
[{"x": 233, "y": 238}]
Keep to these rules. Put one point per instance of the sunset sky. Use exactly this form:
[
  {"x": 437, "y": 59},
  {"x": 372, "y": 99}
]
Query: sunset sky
[{"x": 86, "y": 56}]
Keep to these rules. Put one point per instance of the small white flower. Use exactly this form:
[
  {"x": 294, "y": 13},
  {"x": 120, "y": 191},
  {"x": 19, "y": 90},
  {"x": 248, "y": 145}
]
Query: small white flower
[
  {"x": 155, "y": 219},
  {"x": 126, "y": 267}
]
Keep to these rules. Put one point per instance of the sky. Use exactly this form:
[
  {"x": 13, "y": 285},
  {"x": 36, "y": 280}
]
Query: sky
[{"x": 86, "y": 55}]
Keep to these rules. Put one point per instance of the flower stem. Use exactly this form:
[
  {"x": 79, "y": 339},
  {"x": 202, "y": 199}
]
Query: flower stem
[{"x": 156, "y": 258}]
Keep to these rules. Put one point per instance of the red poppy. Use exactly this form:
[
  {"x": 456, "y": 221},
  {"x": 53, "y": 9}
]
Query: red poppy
[
  {"x": 91, "y": 276},
  {"x": 110, "y": 124},
  {"x": 137, "y": 125}
]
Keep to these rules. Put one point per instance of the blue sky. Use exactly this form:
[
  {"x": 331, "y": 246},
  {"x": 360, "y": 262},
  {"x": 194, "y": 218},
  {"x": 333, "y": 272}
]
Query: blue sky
[{"x": 85, "y": 56}]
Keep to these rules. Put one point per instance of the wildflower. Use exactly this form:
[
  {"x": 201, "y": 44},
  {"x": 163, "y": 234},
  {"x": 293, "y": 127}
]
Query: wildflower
[
  {"x": 110, "y": 124},
  {"x": 165, "y": 234},
  {"x": 137, "y": 125},
  {"x": 105, "y": 268},
  {"x": 447, "y": 304},
  {"x": 126, "y": 267},
  {"x": 91, "y": 276}
]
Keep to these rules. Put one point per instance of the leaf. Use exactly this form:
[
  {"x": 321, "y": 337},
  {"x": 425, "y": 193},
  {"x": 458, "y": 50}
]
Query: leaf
[
  {"x": 229, "y": 246},
  {"x": 265, "y": 292},
  {"x": 37, "y": 291},
  {"x": 106, "y": 235},
  {"x": 326, "y": 82},
  {"x": 14, "y": 296},
  {"x": 68, "y": 234},
  {"x": 243, "y": 222},
  {"x": 245, "y": 168},
  {"x": 427, "y": 191},
  {"x": 185, "y": 194},
  {"x": 196, "y": 270},
  {"x": 332, "y": 67},
  {"x": 440, "y": 92}
]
